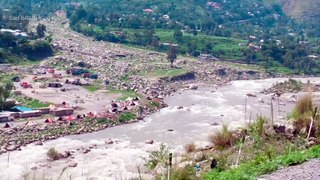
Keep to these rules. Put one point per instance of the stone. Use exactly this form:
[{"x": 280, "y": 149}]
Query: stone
[
  {"x": 38, "y": 143},
  {"x": 193, "y": 86},
  {"x": 180, "y": 107},
  {"x": 149, "y": 141},
  {"x": 311, "y": 143},
  {"x": 214, "y": 124},
  {"x": 66, "y": 154},
  {"x": 109, "y": 141},
  {"x": 85, "y": 151},
  {"x": 11, "y": 147},
  {"x": 34, "y": 168},
  {"x": 199, "y": 156},
  {"x": 170, "y": 130},
  {"x": 72, "y": 164},
  {"x": 80, "y": 130},
  {"x": 251, "y": 95}
]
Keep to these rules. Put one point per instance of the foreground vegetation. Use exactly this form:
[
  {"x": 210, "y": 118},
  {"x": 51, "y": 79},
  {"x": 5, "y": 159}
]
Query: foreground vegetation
[{"x": 259, "y": 148}]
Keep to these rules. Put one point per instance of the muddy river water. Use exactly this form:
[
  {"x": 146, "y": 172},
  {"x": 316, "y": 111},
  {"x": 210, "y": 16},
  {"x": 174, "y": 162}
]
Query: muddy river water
[{"x": 191, "y": 116}]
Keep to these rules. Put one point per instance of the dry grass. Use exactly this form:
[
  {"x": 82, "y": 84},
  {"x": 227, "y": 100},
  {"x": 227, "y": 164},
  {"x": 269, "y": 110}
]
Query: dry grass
[
  {"x": 302, "y": 116},
  {"x": 222, "y": 139},
  {"x": 189, "y": 148},
  {"x": 186, "y": 173},
  {"x": 304, "y": 105}
]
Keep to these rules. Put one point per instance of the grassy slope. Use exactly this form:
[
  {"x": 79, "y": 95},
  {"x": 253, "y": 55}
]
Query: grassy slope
[{"x": 253, "y": 169}]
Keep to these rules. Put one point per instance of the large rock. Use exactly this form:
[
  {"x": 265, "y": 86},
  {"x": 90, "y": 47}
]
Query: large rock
[
  {"x": 109, "y": 141},
  {"x": 149, "y": 141},
  {"x": 193, "y": 86},
  {"x": 85, "y": 151},
  {"x": 11, "y": 147},
  {"x": 72, "y": 164},
  {"x": 38, "y": 143},
  {"x": 199, "y": 156}
]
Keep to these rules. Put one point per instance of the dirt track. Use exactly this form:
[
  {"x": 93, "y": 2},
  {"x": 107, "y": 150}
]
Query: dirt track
[{"x": 305, "y": 171}]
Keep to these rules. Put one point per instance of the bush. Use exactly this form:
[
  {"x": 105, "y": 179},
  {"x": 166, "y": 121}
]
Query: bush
[
  {"x": 186, "y": 173},
  {"x": 53, "y": 154},
  {"x": 257, "y": 128},
  {"x": 222, "y": 139},
  {"x": 302, "y": 115},
  {"x": 160, "y": 156},
  {"x": 189, "y": 148},
  {"x": 126, "y": 116},
  {"x": 304, "y": 105}
]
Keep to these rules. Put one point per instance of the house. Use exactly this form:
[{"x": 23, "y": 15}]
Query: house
[
  {"x": 6, "y": 118},
  {"x": 148, "y": 10},
  {"x": 166, "y": 17},
  {"x": 30, "y": 114},
  {"x": 62, "y": 112}
]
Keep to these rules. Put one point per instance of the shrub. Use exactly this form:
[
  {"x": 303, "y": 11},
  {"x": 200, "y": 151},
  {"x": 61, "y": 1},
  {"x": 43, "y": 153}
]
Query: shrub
[
  {"x": 189, "y": 148},
  {"x": 304, "y": 105},
  {"x": 257, "y": 128},
  {"x": 101, "y": 121},
  {"x": 53, "y": 154},
  {"x": 222, "y": 139},
  {"x": 126, "y": 116},
  {"x": 302, "y": 115},
  {"x": 186, "y": 173},
  {"x": 160, "y": 156}
]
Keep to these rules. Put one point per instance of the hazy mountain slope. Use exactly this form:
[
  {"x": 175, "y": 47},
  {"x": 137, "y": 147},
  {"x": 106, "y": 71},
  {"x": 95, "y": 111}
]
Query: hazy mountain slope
[{"x": 301, "y": 8}]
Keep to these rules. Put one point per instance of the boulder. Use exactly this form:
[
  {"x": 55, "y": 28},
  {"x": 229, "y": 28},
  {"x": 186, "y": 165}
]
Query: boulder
[
  {"x": 251, "y": 95},
  {"x": 109, "y": 141},
  {"x": 199, "y": 156},
  {"x": 193, "y": 86},
  {"x": 38, "y": 143},
  {"x": 66, "y": 154},
  {"x": 85, "y": 151},
  {"x": 180, "y": 107},
  {"x": 72, "y": 164},
  {"x": 80, "y": 130},
  {"x": 149, "y": 141},
  {"x": 11, "y": 147}
]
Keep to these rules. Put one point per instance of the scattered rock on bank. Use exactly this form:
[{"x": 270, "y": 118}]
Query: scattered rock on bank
[{"x": 149, "y": 141}]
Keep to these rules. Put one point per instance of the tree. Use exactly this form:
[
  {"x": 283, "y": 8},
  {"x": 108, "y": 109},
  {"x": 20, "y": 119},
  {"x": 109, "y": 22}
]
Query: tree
[
  {"x": 195, "y": 32},
  {"x": 172, "y": 54},
  {"x": 155, "y": 42},
  {"x": 41, "y": 29},
  {"x": 178, "y": 35},
  {"x": 5, "y": 94}
]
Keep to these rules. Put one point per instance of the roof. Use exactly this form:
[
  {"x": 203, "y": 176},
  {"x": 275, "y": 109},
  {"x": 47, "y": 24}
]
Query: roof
[{"x": 23, "y": 109}]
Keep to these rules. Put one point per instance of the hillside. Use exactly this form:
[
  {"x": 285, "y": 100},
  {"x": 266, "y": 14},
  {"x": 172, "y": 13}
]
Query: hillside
[{"x": 301, "y": 9}]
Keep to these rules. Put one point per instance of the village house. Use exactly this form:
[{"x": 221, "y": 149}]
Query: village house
[{"x": 6, "y": 118}]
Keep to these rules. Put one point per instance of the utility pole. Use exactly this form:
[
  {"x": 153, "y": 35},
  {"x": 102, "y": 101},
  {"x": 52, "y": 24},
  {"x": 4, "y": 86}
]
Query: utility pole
[{"x": 170, "y": 166}]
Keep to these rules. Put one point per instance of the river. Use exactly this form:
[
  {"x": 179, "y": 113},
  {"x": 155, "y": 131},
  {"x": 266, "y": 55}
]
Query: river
[{"x": 201, "y": 113}]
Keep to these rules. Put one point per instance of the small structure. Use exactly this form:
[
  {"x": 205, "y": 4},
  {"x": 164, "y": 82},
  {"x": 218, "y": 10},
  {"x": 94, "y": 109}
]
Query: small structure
[
  {"x": 30, "y": 114},
  {"x": 62, "y": 112},
  {"x": 44, "y": 110},
  {"x": 6, "y": 118},
  {"x": 9, "y": 125}
]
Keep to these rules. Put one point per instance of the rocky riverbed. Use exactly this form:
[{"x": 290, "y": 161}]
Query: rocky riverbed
[
  {"x": 118, "y": 152},
  {"x": 126, "y": 68}
]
